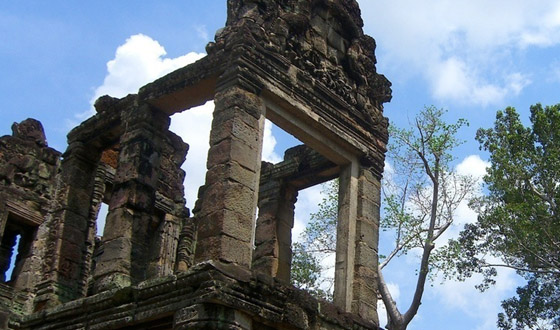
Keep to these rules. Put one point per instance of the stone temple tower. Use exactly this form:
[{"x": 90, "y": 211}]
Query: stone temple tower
[{"x": 305, "y": 65}]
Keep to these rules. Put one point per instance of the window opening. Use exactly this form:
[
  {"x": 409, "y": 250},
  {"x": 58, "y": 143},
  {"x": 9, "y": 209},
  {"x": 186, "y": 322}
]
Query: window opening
[
  {"x": 14, "y": 249},
  {"x": 14, "y": 254},
  {"x": 314, "y": 239},
  {"x": 193, "y": 126},
  {"x": 102, "y": 218}
]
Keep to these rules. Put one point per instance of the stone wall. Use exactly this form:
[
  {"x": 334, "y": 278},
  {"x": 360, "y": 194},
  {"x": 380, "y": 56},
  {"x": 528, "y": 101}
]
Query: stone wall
[{"x": 28, "y": 170}]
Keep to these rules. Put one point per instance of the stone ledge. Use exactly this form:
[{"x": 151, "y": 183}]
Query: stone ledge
[{"x": 153, "y": 303}]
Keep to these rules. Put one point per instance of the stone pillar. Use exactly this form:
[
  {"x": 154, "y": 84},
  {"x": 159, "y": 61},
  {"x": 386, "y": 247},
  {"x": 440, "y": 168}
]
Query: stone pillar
[
  {"x": 63, "y": 261},
  {"x": 164, "y": 248},
  {"x": 273, "y": 238},
  {"x": 186, "y": 245},
  {"x": 364, "y": 300},
  {"x": 357, "y": 239},
  {"x": 131, "y": 220},
  {"x": 346, "y": 236},
  {"x": 227, "y": 203}
]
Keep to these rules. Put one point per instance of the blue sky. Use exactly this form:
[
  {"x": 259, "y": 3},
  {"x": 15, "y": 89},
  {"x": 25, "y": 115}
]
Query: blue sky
[{"x": 470, "y": 57}]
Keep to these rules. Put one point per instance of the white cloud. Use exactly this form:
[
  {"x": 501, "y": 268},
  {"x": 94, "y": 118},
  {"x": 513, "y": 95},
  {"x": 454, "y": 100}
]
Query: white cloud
[
  {"x": 137, "y": 62},
  {"x": 193, "y": 126},
  {"x": 463, "y": 49},
  {"x": 451, "y": 79},
  {"x": 454, "y": 80},
  {"x": 308, "y": 201},
  {"x": 269, "y": 142},
  {"x": 473, "y": 165},
  {"x": 484, "y": 306}
]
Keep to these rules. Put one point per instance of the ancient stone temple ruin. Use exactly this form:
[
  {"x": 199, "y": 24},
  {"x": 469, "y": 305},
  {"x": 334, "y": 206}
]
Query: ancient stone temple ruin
[{"x": 305, "y": 65}]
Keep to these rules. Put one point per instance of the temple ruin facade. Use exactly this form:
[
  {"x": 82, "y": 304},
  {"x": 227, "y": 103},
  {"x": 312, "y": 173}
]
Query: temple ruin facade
[{"x": 305, "y": 65}]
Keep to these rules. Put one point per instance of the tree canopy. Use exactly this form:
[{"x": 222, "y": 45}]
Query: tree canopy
[{"x": 518, "y": 224}]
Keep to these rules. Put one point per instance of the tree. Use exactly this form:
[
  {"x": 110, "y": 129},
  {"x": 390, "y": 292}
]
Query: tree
[
  {"x": 420, "y": 198},
  {"x": 518, "y": 225},
  {"x": 318, "y": 242}
]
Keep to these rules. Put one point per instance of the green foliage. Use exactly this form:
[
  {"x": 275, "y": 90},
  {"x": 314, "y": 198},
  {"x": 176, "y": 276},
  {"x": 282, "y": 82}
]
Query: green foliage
[
  {"x": 518, "y": 219},
  {"x": 421, "y": 196},
  {"x": 535, "y": 307},
  {"x": 317, "y": 242},
  {"x": 422, "y": 192}
]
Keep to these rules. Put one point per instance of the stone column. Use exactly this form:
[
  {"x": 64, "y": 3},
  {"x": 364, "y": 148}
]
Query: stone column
[
  {"x": 273, "y": 238},
  {"x": 364, "y": 300},
  {"x": 227, "y": 203},
  {"x": 357, "y": 239},
  {"x": 346, "y": 236},
  {"x": 131, "y": 220},
  {"x": 63, "y": 261}
]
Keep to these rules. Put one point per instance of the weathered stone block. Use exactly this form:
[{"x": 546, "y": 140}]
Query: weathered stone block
[
  {"x": 238, "y": 97},
  {"x": 369, "y": 187},
  {"x": 133, "y": 194},
  {"x": 115, "y": 257},
  {"x": 224, "y": 248},
  {"x": 118, "y": 224},
  {"x": 232, "y": 171},
  {"x": 366, "y": 275},
  {"x": 365, "y": 255},
  {"x": 78, "y": 200},
  {"x": 265, "y": 230},
  {"x": 321, "y": 26},
  {"x": 366, "y": 311},
  {"x": 267, "y": 248},
  {"x": 229, "y": 195},
  {"x": 367, "y": 232},
  {"x": 234, "y": 150},
  {"x": 75, "y": 236},
  {"x": 76, "y": 220},
  {"x": 234, "y": 125},
  {"x": 226, "y": 222},
  {"x": 266, "y": 265},
  {"x": 368, "y": 209}
]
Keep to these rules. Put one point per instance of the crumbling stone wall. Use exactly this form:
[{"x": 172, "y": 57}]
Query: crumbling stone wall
[
  {"x": 305, "y": 65},
  {"x": 27, "y": 181}
]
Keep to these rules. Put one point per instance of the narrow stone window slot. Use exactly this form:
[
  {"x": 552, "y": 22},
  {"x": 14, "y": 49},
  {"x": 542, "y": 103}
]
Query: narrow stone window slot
[
  {"x": 8, "y": 275},
  {"x": 101, "y": 218},
  {"x": 14, "y": 249}
]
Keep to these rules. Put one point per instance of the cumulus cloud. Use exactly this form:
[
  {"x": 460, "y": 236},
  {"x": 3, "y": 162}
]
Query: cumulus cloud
[
  {"x": 473, "y": 165},
  {"x": 269, "y": 142},
  {"x": 308, "y": 201},
  {"x": 483, "y": 306},
  {"x": 462, "y": 49},
  {"x": 137, "y": 62},
  {"x": 193, "y": 126}
]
